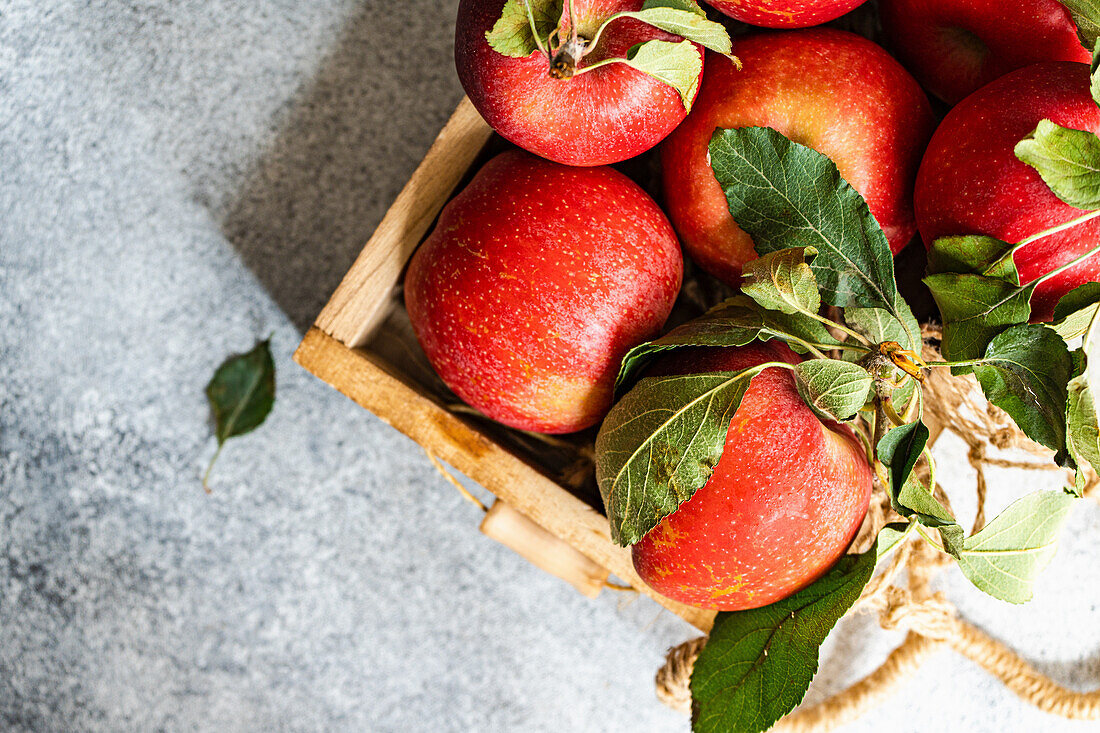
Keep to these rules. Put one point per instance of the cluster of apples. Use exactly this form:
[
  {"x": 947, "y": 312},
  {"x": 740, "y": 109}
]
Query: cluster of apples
[{"x": 549, "y": 266}]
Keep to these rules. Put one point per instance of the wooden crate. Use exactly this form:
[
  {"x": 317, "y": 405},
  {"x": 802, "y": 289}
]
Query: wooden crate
[{"x": 362, "y": 345}]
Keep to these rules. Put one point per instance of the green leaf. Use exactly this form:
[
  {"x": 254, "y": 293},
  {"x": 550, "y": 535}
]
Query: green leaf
[
  {"x": 1004, "y": 558},
  {"x": 899, "y": 450},
  {"x": 783, "y": 281},
  {"x": 973, "y": 253},
  {"x": 660, "y": 443},
  {"x": 677, "y": 64},
  {"x": 1067, "y": 160},
  {"x": 915, "y": 499},
  {"x": 1075, "y": 310},
  {"x": 691, "y": 24},
  {"x": 1025, "y": 372},
  {"x": 889, "y": 537},
  {"x": 512, "y": 35},
  {"x": 735, "y": 322},
  {"x": 879, "y": 325},
  {"x": 1086, "y": 14},
  {"x": 909, "y": 497},
  {"x": 757, "y": 664},
  {"x": 834, "y": 389},
  {"x": 689, "y": 5},
  {"x": 241, "y": 394},
  {"x": 1082, "y": 425},
  {"x": 975, "y": 309},
  {"x": 788, "y": 195}
]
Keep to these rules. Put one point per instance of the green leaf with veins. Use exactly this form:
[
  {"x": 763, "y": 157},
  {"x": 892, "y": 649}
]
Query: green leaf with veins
[
  {"x": 241, "y": 394},
  {"x": 783, "y": 281},
  {"x": 788, "y": 195},
  {"x": 899, "y": 450},
  {"x": 757, "y": 664},
  {"x": 834, "y": 389},
  {"x": 1004, "y": 558},
  {"x": 1024, "y": 372},
  {"x": 661, "y": 442},
  {"x": 1082, "y": 425},
  {"x": 1086, "y": 15},
  {"x": 689, "y": 5},
  {"x": 975, "y": 254},
  {"x": 879, "y": 325},
  {"x": 676, "y": 64},
  {"x": 512, "y": 35},
  {"x": 1094, "y": 77},
  {"x": 735, "y": 322},
  {"x": 1075, "y": 310},
  {"x": 1067, "y": 160},
  {"x": 688, "y": 24},
  {"x": 1082, "y": 428},
  {"x": 889, "y": 537},
  {"x": 975, "y": 309}
]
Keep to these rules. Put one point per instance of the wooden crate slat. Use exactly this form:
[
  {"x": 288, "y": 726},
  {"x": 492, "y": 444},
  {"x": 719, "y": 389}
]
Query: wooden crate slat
[
  {"x": 368, "y": 382},
  {"x": 359, "y": 302}
]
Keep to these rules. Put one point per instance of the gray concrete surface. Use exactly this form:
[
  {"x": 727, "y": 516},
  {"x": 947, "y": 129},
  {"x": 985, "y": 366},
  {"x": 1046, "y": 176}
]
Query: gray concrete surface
[{"x": 177, "y": 179}]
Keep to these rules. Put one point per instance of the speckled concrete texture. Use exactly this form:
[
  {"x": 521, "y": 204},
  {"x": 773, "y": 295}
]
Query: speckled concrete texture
[{"x": 178, "y": 178}]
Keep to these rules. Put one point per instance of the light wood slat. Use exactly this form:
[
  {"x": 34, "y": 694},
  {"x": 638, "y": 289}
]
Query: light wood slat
[
  {"x": 543, "y": 549},
  {"x": 359, "y": 303}
]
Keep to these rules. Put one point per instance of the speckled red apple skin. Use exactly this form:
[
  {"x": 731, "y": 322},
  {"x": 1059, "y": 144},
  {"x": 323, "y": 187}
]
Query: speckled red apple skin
[
  {"x": 971, "y": 182},
  {"x": 930, "y": 38},
  {"x": 830, "y": 90},
  {"x": 785, "y": 13},
  {"x": 535, "y": 282},
  {"x": 786, "y": 499},
  {"x": 599, "y": 117}
]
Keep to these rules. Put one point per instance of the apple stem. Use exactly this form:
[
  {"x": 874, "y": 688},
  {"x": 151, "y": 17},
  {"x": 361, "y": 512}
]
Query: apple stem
[
  {"x": 1007, "y": 256},
  {"x": 880, "y": 424},
  {"x": 1055, "y": 229},
  {"x": 564, "y": 63},
  {"x": 840, "y": 327},
  {"x": 1068, "y": 265}
]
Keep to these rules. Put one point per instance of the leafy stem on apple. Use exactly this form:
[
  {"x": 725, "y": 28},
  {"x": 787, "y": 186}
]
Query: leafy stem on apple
[
  {"x": 819, "y": 246},
  {"x": 553, "y": 29}
]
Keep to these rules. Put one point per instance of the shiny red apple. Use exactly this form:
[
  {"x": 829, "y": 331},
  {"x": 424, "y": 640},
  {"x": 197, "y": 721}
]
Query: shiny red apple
[
  {"x": 953, "y": 47},
  {"x": 971, "y": 182},
  {"x": 785, "y": 13},
  {"x": 830, "y": 90},
  {"x": 785, "y": 500},
  {"x": 535, "y": 282},
  {"x": 601, "y": 116}
]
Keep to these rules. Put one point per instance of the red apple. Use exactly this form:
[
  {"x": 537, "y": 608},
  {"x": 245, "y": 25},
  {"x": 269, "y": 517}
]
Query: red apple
[
  {"x": 785, "y": 13},
  {"x": 533, "y": 285},
  {"x": 784, "y": 502},
  {"x": 830, "y": 90},
  {"x": 953, "y": 47},
  {"x": 971, "y": 182},
  {"x": 602, "y": 116}
]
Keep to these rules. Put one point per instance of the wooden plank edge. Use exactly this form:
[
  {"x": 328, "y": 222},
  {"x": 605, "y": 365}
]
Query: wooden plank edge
[
  {"x": 543, "y": 549},
  {"x": 354, "y": 373},
  {"x": 359, "y": 303}
]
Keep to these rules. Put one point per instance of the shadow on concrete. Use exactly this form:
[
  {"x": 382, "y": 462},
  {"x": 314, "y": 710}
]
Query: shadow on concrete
[{"x": 352, "y": 138}]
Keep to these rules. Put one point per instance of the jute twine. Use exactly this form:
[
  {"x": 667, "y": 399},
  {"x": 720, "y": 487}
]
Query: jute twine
[{"x": 905, "y": 600}]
